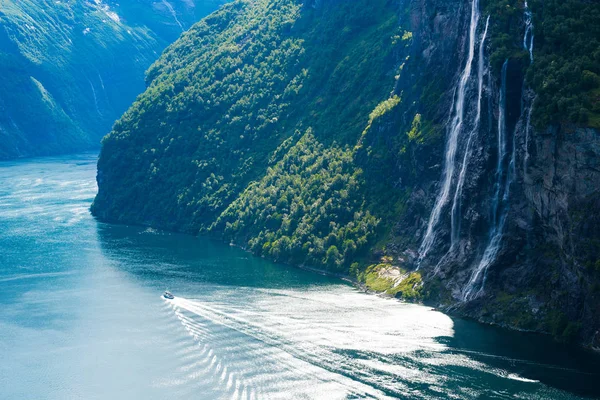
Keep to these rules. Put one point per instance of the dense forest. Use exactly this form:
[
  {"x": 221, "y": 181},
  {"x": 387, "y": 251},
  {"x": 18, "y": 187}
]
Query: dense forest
[
  {"x": 566, "y": 65},
  {"x": 238, "y": 89}
]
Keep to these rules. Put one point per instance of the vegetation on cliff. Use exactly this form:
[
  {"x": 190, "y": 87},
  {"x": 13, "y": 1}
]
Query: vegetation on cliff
[
  {"x": 565, "y": 73},
  {"x": 393, "y": 281},
  {"x": 307, "y": 209},
  {"x": 249, "y": 129}
]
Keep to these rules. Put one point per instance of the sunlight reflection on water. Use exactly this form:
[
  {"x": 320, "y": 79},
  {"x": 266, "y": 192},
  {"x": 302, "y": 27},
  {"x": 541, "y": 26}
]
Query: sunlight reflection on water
[{"x": 81, "y": 317}]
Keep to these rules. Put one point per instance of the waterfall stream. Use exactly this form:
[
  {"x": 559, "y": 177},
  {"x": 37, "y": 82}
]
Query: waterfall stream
[
  {"x": 95, "y": 97},
  {"x": 528, "y": 100},
  {"x": 454, "y": 176},
  {"x": 458, "y": 112},
  {"x": 527, "y": 134},
  {"x": 498, "y": 215},
  {"x": 456, "y": 202},
  {"x": 173, "y": 14},
  {"x": 529, "y": 34},
  {"x": 504, "y": 179}
]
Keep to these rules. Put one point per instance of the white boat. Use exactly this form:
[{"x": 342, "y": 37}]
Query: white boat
[{"x": 168, "y": 295}]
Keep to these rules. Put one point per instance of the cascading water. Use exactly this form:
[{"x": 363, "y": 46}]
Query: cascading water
[
  {"x": 527, "y": 134},
  {"x": 173, "y": 13},
  {"x": 95, "y": 97},
  {"x": 528, "y": 100},
  {"x": 529, "y": 34},
  {"x": 458, "y": 110},
  {"x": 503, "y": 180},
  {"x": 456, "y": 202},
  {"x": 476, "y": 283},
  {"x": 506, "y": 157}
]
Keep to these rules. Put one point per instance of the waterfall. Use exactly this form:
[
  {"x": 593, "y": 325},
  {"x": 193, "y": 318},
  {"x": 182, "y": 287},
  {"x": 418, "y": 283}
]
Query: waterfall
[
  {"x": 527, "y": 133},
  {"x": 458, "y": 110},
  {"x": 95, "y": 98},
  {"x": 173, "y": 13},
  {"x": 456, "y": 202},
  {"x": 528, "y": 45},
  {"x": 101, "y": 83},
  {"x": 529, "y": 34},
  {"x": 498, "y": 210}
]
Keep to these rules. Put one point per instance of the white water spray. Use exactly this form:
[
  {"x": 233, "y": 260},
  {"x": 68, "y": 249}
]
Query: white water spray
[
  {"x": 95, "y": 97},
  {"x": 477, "y": 281},
  {"x": 527, "y": 134},
  {"x": 458, "y": 109},
  {"x": 529, "y": 34},
  {"x": 528, "y": 45},
  {"x": 456, "y": 202},
  {"x": 173, "y": 13}
]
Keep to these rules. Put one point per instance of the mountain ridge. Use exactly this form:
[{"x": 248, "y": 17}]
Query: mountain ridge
[{"x": 69, "y": 69}]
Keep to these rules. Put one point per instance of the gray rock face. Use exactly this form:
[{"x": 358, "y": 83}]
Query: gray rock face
[
  {"x": 560, "y": 191},
  {"x": 528, "y": 225}
]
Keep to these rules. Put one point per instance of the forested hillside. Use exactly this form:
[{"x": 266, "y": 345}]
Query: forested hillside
[
  {"x": 260, "y": 90},
  {"x": 376, "y": 138},
  {"x": 68, "y": 70}
]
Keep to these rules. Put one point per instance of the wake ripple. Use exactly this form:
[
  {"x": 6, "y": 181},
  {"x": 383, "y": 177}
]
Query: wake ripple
[{"x": 281, "y": 344}]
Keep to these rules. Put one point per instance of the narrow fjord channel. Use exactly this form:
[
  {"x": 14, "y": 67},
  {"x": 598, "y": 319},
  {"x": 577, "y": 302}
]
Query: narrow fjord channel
[{"x": 81, "y": 317}]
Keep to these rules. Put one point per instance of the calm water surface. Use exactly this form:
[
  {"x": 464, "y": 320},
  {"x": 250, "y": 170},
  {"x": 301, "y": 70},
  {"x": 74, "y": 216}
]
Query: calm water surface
[{"x": 81, "y": 317}]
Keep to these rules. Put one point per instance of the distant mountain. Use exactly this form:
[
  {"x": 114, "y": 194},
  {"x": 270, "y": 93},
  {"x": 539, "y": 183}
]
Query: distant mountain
[{"x": 68, "y": 69}]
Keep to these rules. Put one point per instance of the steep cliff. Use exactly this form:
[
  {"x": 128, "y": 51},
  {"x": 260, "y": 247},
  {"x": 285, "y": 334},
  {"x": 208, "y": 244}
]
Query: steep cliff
[
  {"x": 415, "y": 144},
  {"x": 68, "y": 70}
]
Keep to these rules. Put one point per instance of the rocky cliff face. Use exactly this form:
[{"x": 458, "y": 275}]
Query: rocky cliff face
[
  {"x": 403, "y": 137},
  {"x": 502, "y": 223}
]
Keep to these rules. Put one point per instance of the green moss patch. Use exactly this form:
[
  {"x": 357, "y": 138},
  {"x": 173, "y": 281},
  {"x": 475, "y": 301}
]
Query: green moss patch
[{"x": 395, "y": 281}]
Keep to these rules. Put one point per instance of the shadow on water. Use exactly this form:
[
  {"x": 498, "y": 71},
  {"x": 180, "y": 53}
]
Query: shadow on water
[
  {"x": 518, "y": 362},
  {"x": 178, "y": 260},
  {"x": 534, "y": 357}
]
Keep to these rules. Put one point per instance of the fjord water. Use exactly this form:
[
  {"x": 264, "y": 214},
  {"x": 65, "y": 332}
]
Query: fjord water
[{"x": 81, "y": 317}]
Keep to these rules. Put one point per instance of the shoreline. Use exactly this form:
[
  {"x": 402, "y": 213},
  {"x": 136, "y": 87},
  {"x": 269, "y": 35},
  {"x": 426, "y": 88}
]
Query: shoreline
[{"x": 450, "y": 310}]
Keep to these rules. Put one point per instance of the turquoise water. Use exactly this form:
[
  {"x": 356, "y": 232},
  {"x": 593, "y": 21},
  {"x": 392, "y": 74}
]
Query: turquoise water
[{"x": 81, "y": 317}]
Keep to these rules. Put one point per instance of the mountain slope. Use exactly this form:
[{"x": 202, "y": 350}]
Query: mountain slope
[
  {"x": 231, "y": 89},
  {"x": 69, "y": 69},
  {"x": 399, "y": 141}
]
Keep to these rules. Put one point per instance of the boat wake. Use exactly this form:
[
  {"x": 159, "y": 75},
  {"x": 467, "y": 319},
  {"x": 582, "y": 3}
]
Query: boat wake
[
  {"x": 266, "y": 343},
  {"x": 261, "y": 361}
]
